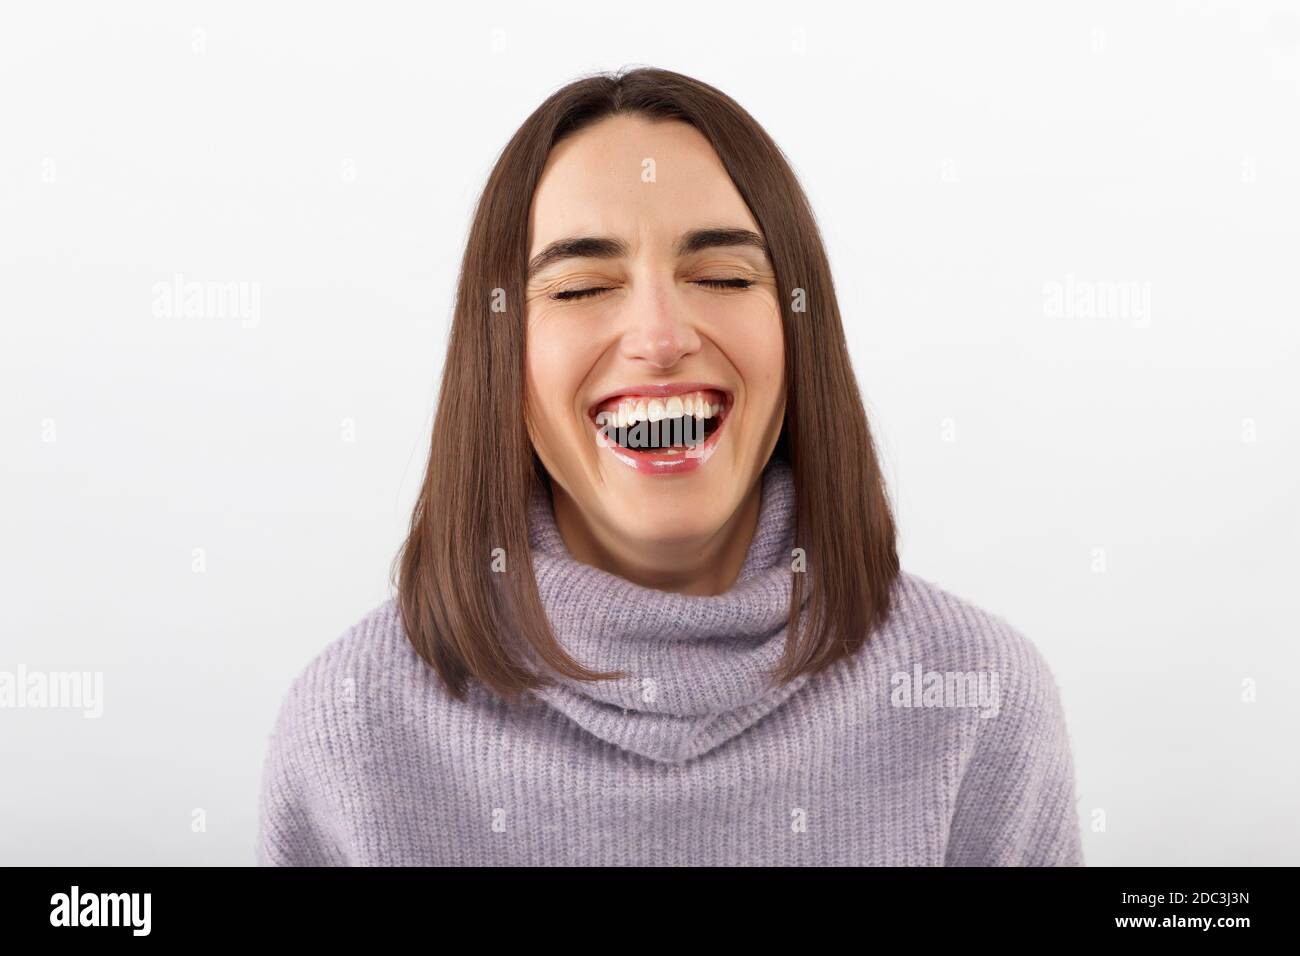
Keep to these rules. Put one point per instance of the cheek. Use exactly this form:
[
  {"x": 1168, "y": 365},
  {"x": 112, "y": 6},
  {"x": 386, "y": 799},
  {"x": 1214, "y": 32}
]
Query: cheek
[
  {"x": 759, "y": 357},
  {"x": 555, "y": 366}
]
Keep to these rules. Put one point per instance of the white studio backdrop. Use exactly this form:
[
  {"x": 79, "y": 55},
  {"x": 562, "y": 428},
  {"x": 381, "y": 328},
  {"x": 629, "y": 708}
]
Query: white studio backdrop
[{"x": 1065, "y": 240}]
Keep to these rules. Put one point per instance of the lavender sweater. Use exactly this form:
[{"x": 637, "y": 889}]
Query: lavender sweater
[{"x": 941, "y": 742}]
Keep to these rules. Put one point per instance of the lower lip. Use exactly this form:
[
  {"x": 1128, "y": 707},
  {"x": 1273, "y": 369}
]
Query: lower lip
[{"x": 659, "y": 463}]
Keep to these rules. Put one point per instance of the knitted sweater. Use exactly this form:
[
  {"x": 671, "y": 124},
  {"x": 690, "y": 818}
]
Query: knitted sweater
[{"x": 942, "y": 741}]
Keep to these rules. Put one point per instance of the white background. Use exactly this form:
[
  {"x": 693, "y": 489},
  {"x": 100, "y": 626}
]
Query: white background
[{"x": 961, "y": 158}]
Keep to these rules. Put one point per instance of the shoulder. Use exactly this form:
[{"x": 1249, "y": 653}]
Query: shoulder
[
  {"x": 368, "y": 673},
  {"x": 937, "y": 631},
  {"x": 1014, "y": 797},
  {"x": 337, "y": 713}
]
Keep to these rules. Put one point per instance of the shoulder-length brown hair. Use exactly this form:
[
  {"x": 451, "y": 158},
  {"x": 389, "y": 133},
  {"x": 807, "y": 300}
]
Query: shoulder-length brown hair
[{"x": 462, "y": 617}]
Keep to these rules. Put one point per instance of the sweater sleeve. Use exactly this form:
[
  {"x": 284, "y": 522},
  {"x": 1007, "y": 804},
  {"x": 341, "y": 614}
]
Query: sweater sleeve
[
  {"x": 1016, "y": 802},
  {"x": 295, "y": 825}
]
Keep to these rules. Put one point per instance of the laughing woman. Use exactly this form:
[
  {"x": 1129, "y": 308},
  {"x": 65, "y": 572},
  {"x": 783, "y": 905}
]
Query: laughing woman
[{"x": 650, "y": 609}]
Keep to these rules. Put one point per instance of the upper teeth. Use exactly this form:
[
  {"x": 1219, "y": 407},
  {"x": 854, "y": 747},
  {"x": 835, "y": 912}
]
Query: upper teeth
[{"x": 630, "y": 410}]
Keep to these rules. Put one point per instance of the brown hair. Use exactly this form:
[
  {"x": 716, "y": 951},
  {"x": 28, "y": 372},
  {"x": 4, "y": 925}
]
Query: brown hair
[{"x": 458, "y": 614}]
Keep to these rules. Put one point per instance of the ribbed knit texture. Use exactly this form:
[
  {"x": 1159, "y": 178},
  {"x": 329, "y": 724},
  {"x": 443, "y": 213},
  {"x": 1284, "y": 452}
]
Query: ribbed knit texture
[{"x": 693, "y": 760}]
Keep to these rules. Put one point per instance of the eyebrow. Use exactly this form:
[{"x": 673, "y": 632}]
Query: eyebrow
[{"x": 604, "y": 247}]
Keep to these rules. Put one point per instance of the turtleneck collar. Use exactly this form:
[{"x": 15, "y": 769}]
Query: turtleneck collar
[{"x": 699, "y": 665}]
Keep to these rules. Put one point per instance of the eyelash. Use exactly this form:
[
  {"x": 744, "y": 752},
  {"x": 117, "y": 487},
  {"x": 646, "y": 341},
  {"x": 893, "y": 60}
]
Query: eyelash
[{"x": 570, "y": 294}]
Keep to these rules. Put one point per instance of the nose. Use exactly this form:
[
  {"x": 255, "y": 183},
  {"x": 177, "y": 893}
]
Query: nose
[{"x": 658, "y": 331}]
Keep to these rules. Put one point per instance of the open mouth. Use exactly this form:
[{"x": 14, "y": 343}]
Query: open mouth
[{"x": 663, "y": 430}]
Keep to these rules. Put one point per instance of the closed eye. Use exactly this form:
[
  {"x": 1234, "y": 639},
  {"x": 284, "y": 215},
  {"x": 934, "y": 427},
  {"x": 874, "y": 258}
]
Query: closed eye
[
  {"x": 576, "y": 293},
  {"x": 725, "y": 283},
  {"x": 571, "y": 294}
]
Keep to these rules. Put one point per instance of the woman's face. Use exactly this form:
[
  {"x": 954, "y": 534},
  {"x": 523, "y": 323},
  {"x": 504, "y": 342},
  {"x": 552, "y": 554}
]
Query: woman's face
[{"x": 655, "y": 364}]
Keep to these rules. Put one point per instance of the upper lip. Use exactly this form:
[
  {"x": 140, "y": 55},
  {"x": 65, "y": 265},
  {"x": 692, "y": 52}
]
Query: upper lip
[{"x": 658, "y": 391}]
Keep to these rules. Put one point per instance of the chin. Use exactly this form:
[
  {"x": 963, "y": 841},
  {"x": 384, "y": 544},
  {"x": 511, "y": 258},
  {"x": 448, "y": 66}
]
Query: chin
[{"x": 670, "y": 513}]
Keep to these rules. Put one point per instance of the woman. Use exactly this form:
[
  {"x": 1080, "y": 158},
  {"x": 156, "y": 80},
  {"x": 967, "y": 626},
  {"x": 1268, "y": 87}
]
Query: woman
[{"x": 650, "y": 609}]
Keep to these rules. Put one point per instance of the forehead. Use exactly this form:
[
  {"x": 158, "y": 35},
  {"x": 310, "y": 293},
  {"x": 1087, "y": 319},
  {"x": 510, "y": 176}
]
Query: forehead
[{"x": 637, "y": 179}]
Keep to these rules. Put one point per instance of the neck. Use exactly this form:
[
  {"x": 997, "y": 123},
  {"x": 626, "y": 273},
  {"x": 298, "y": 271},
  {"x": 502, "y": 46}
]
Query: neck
[{"x": 706, "y": 566}]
